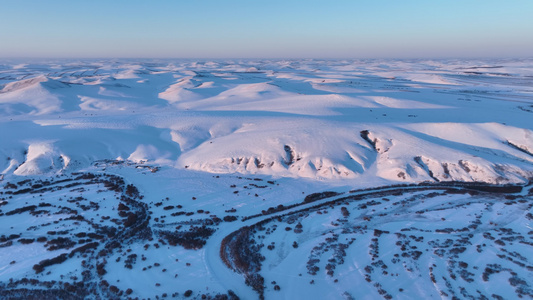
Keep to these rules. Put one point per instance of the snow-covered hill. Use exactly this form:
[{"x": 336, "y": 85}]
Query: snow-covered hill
[{"x": 296, "y": 118}]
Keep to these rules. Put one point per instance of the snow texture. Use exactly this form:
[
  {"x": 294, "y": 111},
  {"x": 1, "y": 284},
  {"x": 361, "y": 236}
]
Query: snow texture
[{"x": 275, "y": 179}]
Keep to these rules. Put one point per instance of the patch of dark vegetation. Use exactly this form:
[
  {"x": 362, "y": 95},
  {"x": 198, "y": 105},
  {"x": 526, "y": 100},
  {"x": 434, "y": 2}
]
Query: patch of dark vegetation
[
  {"x": 132, "y": 191},
  {"x": 130, "y": 261},
  {"x": 10, "y": 185},
  {"x": 26, "y": 241},
  {"x": 239, "y": 252},
  {"x": 229, "y": 218},
  {"x": 45, "y": 290},
  {"x": 195, "y": 238},
  {"x": 21, "y": 210},
  {"x": 49, "y": 262},
  {"x": 59, "y": 243},
  {"x": 319, "y": 196},
  {"x": 84, "y": 248}
]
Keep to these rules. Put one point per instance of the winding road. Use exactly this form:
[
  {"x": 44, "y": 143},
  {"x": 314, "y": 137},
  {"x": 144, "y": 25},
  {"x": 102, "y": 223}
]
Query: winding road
[{"x": 232, "y": 280}]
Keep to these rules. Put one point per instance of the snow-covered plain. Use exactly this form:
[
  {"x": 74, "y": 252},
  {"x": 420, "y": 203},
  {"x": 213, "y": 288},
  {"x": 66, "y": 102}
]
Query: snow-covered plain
[{"x": 293, "y": 179}]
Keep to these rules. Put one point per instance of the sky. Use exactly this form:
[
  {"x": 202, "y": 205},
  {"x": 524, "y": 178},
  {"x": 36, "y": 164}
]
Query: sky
[{"x": 266, "y": 29}]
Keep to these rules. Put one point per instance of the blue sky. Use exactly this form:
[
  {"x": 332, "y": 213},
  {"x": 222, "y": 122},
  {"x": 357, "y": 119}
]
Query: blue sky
[{"x": 268, "y": 29}]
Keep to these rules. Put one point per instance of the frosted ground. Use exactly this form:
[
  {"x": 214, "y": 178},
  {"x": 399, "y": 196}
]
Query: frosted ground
[{"x": 275, "y": 179}]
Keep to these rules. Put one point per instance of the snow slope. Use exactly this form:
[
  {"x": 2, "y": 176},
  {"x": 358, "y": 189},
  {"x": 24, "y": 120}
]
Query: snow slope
[{"x": 221, "y": 117}]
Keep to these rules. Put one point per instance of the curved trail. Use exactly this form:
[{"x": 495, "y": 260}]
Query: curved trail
[
  {"x": 218, "y": 271},
  {"x": 233, "y": 280}
]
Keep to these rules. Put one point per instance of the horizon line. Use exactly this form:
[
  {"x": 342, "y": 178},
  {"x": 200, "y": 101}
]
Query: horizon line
[{"x": 266, "y": 58}]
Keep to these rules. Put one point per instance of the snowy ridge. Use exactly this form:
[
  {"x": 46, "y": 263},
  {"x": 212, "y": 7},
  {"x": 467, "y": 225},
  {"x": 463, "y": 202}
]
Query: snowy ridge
[{"x": 227, "y": 117}]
